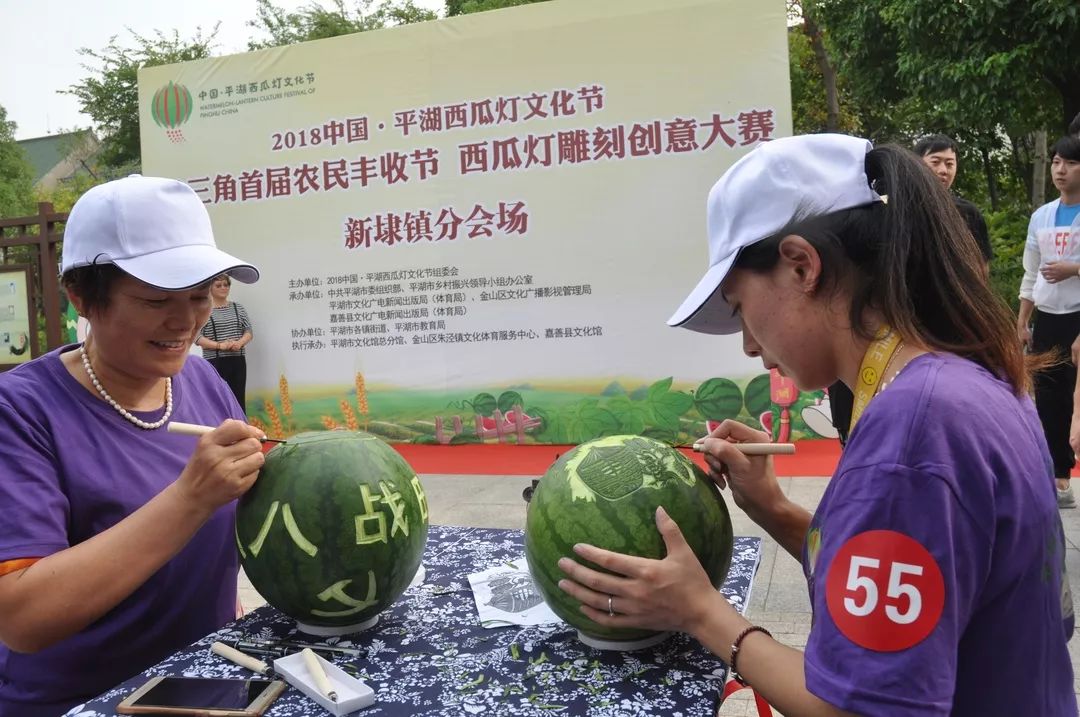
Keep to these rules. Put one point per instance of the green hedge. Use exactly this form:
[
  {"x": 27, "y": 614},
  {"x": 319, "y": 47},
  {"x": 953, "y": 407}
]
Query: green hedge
[{"x": 1008, "y": 232}]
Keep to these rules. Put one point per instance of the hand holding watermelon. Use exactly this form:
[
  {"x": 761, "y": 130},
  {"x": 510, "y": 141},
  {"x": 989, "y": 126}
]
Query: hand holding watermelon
[
  {"x": 225, "y": 464},
  {"x": 605, "y": 493},
  {"x": 671, "y": 594},
  {"x": 751, "y": 479}
]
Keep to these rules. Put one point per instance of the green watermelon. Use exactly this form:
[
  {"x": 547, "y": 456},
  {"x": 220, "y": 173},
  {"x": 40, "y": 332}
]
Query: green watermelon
[
  {"x": 758, "y": 395},
  {"x": 718, "y": 398},
  {"x": 605, "y": 493},
  {"x": 333, "y": 530}
]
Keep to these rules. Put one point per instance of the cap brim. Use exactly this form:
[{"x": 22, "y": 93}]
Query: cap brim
[
  {"x": 185, "y": 267},
  {"x": 705, "y": 309}
]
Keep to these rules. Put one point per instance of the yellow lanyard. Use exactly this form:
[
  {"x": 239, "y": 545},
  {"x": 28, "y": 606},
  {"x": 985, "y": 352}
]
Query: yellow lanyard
[{"x": 872, "y": 370}]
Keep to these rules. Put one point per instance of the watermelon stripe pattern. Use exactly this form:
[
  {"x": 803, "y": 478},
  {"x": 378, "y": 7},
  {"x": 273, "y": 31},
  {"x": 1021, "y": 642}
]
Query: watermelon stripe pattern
[
  {"x": 171, "y": 106},
  {"x": 299, "y": 533},
  {"x": 605, "y": 493}
]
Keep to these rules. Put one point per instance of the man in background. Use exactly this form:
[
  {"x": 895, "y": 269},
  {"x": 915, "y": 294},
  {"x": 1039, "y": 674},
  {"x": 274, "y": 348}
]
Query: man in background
[
  {"x": 1049, "y": 317},
  {"x": 940, "y": 153}
]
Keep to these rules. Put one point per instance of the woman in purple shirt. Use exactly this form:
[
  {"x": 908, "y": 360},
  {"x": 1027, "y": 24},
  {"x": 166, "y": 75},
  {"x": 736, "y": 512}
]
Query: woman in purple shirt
[
  {"x": 935, "y": 560},
  {"x": 116, "y": 547}
]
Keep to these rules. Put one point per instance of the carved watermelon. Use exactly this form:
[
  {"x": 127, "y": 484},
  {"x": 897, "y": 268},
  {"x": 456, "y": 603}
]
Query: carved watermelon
[
  {"x": 333, "y": 530},
  {"x": 605, "y": 493}
]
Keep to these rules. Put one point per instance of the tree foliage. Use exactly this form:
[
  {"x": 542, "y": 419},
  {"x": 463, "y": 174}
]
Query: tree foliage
[
  {"x": 110, "y": 96},
  {"x": 64, "y": 195},
  {"x": 981, "y": 65},
  {"x": 990, "y": 73},
  {"x": 809, "y": 108},
  {"x": 468, "y": 7},
  {"x": 315, "y": 22},
  {"x": 16, "y": 174}
]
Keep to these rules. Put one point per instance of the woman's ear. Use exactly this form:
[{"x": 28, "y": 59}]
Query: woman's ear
[
  {"x": 76, "y": 301},
  {"x": 802, "y": 262}
]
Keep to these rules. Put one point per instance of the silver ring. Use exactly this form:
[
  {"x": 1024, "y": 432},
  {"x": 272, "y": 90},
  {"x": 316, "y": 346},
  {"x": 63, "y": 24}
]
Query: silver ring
[{"x": 610, "y": 609}]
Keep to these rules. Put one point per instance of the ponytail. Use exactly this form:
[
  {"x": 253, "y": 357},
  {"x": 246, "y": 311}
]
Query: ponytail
[{"x": 913, "y": 260}]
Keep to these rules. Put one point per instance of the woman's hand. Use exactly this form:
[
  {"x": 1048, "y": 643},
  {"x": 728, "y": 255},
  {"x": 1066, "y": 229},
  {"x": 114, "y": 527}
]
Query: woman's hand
[
  {"x": 669, "y": 594},
  {"x": 751, "y": 479},
  {"x": 225, "y": 464},
  {"x": 1055, "y": 271},
  {"x": 1074, "y": 434}
]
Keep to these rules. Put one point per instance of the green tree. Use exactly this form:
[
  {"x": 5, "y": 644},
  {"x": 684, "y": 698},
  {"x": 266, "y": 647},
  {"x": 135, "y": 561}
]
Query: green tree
[
  {"x": 16, "y": 174},
  {"x": 810, "y": 108},
  {"x": 110, "y": 96},
  {"x": 64, "y": 195},
  {"x": 982, "y": 65},
  {"x": 468, "y": 7},
  {"x": 988, "y": 72},
  {"x": 315, "y": 22}
]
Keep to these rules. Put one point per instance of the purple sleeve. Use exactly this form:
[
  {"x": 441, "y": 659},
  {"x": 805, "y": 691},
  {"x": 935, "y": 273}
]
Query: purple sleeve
[
  {"x": 35, "y": 508},
  {"x": 903, "y": 531}
]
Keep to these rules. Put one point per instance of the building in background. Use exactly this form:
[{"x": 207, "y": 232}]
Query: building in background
[{"x": 60, "y": 158}]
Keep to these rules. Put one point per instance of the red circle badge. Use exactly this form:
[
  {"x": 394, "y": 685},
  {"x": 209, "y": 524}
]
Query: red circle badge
[{"x": 885, "y": 591}]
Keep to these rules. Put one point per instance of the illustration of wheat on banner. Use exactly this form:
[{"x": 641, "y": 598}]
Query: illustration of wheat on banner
[{"x": 170, "y": 108}]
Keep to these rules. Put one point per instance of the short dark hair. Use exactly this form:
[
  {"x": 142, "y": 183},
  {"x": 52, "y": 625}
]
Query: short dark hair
[
  {"x": 1067, "y": 148},
  {"x": 936, "y": 143},
  {"x": 93, "y": 284}
]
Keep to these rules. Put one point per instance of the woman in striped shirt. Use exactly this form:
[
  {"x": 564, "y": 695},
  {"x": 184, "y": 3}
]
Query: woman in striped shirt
[{"x": 224, "y": 337}]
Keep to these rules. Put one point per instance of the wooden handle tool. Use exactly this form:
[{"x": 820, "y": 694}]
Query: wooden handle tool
[
  {"x": 757, "y": 449},
  {"x": 318, "y": 673},
  {"x": 242, "y": 659},
  {"x": 194, "y": 429}
]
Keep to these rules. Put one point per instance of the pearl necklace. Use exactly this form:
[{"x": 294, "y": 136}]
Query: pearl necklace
[{"x": 120, "y": 409}]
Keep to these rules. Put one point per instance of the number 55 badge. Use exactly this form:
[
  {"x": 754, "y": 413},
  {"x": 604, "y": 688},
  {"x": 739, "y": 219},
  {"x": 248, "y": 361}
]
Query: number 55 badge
[{"x": 885, "y": 591}]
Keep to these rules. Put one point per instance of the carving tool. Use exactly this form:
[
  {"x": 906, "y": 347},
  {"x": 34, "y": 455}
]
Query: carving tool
[
  {"x": 194, "y": 429},
  {"x": 317, "y": 673},
  {"x": 233, "y": 655},
  {"x": 757, "y": 449}
]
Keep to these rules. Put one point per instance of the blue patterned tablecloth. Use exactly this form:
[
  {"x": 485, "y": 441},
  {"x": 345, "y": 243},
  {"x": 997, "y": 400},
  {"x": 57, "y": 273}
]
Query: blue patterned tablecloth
[{"x": 428, "y": 654}]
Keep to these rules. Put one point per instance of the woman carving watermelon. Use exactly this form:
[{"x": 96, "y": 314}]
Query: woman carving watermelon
[
  {"x": 935, "y": 560},
  {"x": 116, "y": 547}
]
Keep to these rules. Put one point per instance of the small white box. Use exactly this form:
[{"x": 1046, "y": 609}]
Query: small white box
[{"x": 353, "y": 694}]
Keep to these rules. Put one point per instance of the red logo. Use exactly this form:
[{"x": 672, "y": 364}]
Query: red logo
[{"x": 885, "y": 591}]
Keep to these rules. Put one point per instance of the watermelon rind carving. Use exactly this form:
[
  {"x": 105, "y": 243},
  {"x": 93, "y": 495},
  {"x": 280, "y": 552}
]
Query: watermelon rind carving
[
  {"x": 333, "y": 530},
  {"x": 605, "y": 493}
]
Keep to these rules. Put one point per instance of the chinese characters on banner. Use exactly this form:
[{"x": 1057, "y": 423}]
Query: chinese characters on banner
[
  {"x": 483, "y": 202},
  {"x": 417, "y": 306}
]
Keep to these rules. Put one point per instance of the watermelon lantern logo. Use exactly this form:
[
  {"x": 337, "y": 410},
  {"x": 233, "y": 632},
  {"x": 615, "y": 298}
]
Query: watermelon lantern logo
[{"x": 170, "y": 108}]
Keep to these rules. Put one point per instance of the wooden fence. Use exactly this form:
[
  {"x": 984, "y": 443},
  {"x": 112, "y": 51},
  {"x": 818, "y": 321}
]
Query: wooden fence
[{"x": 39, "y": 232}]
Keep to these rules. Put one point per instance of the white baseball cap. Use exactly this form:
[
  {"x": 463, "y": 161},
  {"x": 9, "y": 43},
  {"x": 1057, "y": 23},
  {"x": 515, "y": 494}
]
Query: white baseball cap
[
  {"x": 779, "y": 182},
  {"x": 153, "y": 228}
]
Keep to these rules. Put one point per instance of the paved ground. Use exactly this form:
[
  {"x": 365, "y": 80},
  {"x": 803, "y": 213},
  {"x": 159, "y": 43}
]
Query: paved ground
[{"x": 779, "y": 600}]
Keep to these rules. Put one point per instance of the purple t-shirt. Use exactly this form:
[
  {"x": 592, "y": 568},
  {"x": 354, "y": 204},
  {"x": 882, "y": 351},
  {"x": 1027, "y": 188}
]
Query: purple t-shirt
[
  {"x": 73, "y": 467},
  {"x": 935, "y": 558}
]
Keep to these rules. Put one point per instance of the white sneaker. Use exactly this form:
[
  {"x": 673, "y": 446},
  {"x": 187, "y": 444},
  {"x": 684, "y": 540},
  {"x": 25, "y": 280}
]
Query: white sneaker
[{"x": 1065, "y": 498}]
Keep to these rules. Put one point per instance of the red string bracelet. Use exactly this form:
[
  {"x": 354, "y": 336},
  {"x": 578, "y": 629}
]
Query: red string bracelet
[{"x": 735, "y": 649}]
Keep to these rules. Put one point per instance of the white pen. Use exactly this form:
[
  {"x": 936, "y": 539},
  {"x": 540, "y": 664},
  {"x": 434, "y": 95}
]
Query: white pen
[
  {"x": 756, "y": 449},
  {"x": 318, "y": 674}
]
